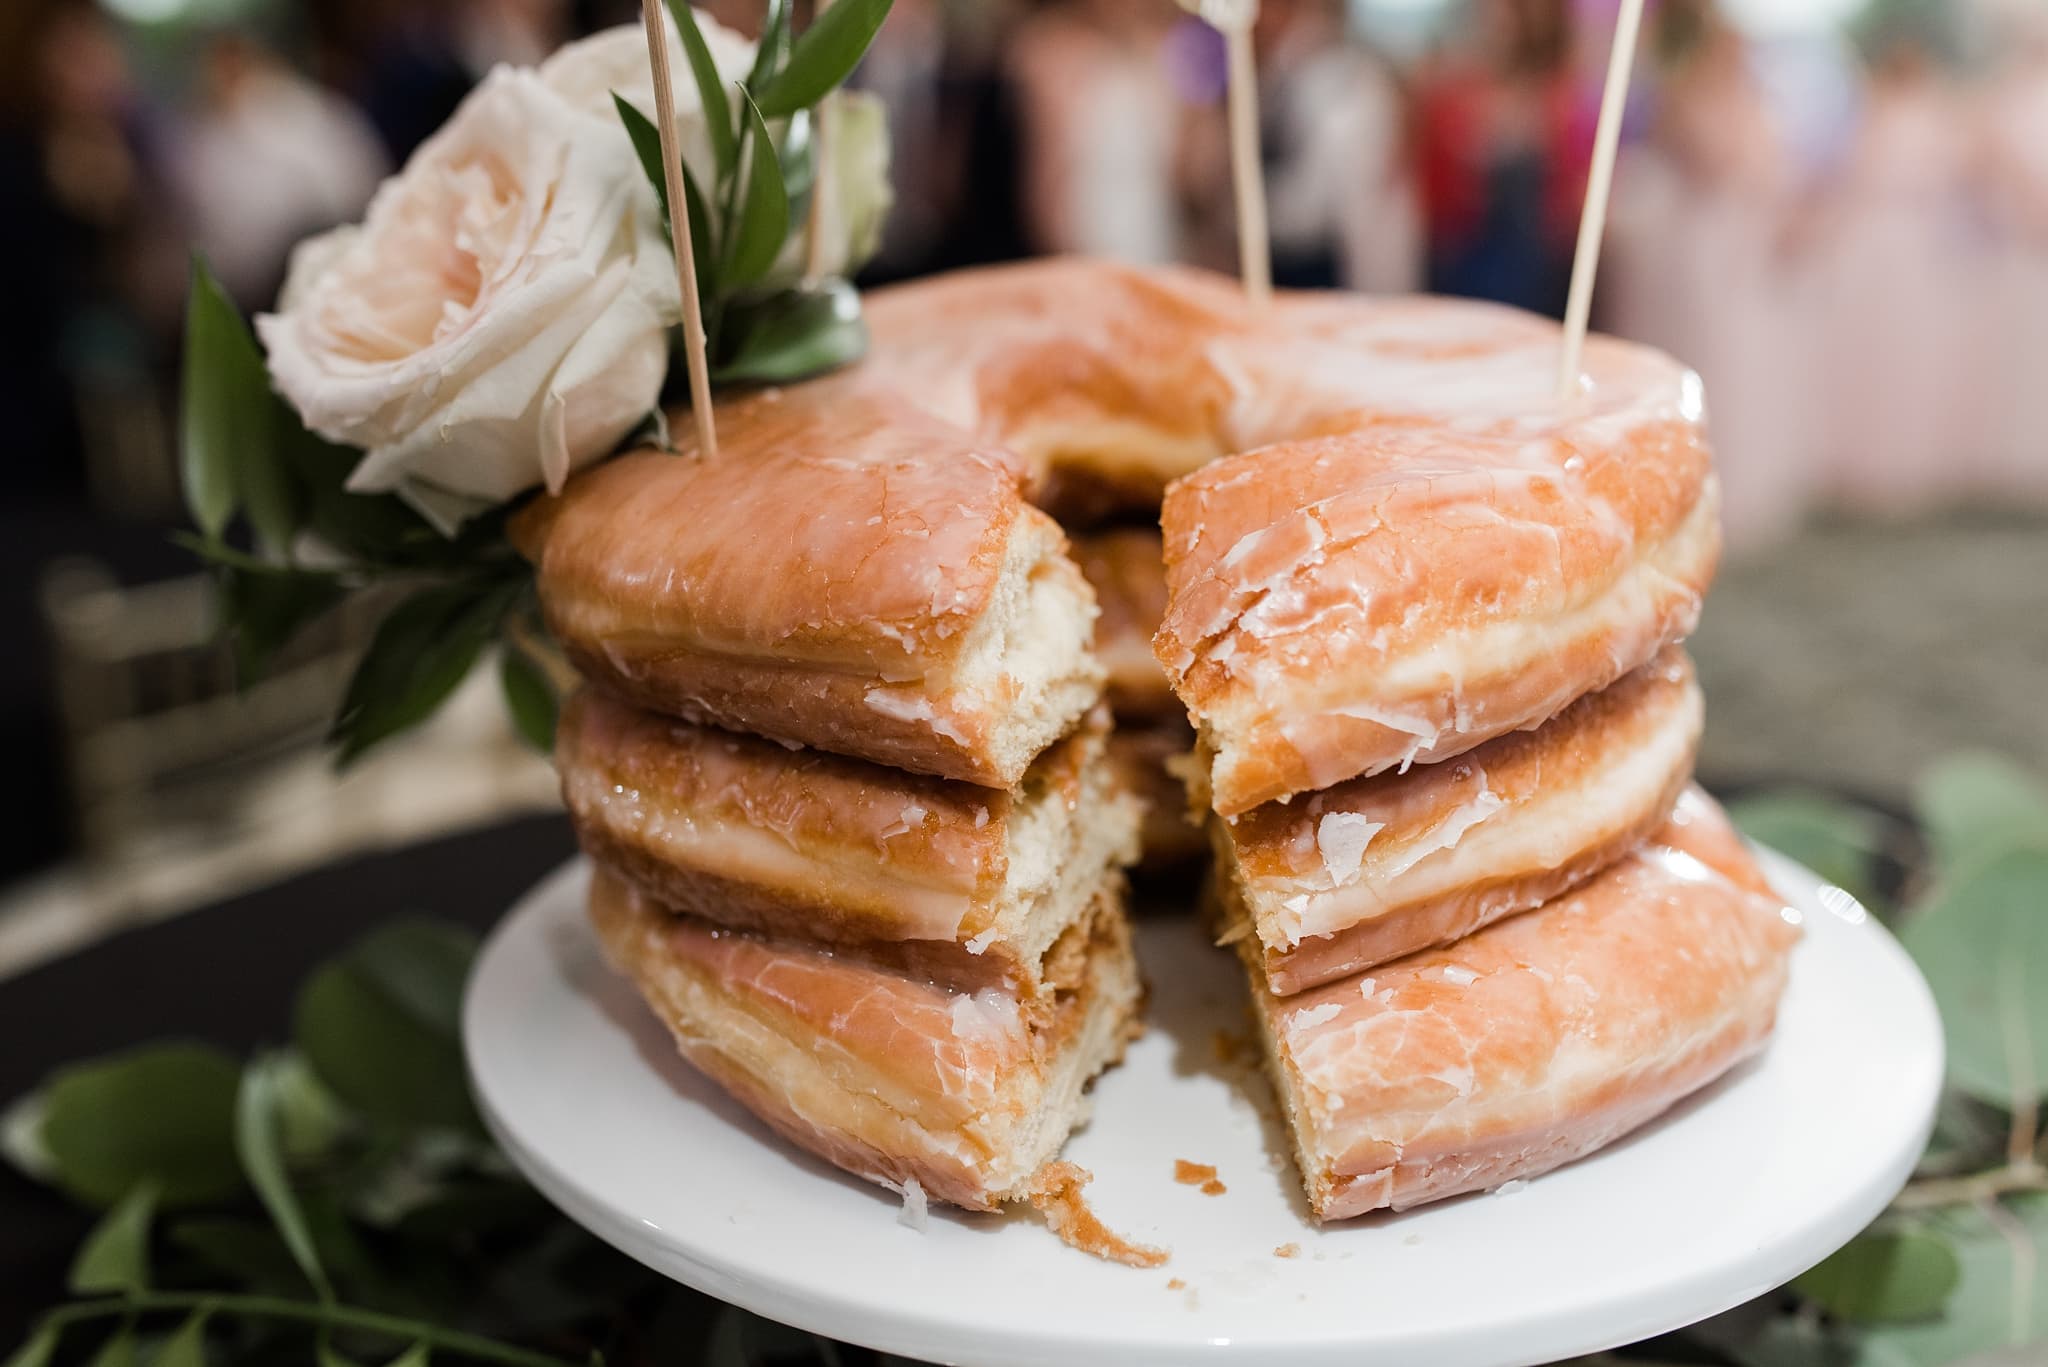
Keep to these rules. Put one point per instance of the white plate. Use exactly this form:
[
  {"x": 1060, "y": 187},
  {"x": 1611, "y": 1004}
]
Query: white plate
[{"x": 1736, "y": 1191}]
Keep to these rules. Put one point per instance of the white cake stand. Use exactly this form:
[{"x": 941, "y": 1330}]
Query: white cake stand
[{"x": 1736, "y": 1191}]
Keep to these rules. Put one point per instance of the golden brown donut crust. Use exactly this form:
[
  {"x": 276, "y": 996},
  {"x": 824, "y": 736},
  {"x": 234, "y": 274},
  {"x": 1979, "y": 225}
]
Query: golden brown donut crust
[
  {"x": 889, "y": 1077},
  {"x": 915, "y": 870},
  {"x": 1376, "y": 868},
  {"x": 1539, "y": 1039}
]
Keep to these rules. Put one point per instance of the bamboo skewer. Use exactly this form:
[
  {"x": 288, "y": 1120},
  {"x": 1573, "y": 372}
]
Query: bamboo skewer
[
  {"x": 1599, "y": 184},
  {"x": 1247, "y": 174},
  {"x": 679, "y": 227},
  {"x": 1234, "y": 19}
]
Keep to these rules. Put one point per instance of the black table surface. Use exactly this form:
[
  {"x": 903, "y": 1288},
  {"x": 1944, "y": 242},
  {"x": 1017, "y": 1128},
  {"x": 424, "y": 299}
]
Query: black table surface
[{"x": 225, "y": 974}]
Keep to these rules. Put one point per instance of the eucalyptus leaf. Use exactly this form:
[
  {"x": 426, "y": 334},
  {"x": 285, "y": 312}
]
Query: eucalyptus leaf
[
  {"x": 226, "y": 408},
  {"x": 763, "y": 212},
  {"x": 2000, "y": 1300},
  {"x": 21, "y": 1138},
  {"x": 822, "y": 56},
  {"x": 36, "y": 1350},
  {"x": 379, "y": 1027},
  {"x": 1885, "y": 1277},
  {"x": 710, "y": 87},
  {"x": 187, "y": 1346},
  {"x": 259, "y": 1142},
  {"x": 793, "y": 335},
  {"x": 1983, "y": 944},
  {"x": 421, "y": 651},
  {"x": 529, "y": 698},
  {"x": 118, "y": 1350},
  {"x": 114, "y": 1259},
  {"x": 1974, "y": 806},
  {"x": 163, "y": 1113},
  {"x": 1838, "y": 840}
]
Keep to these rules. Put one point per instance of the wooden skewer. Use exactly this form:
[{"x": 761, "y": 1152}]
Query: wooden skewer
[
  {"x": 821, "y": 184},
  {"x": 679, "y": 226},
  {"x": 1593, "y": 222},
  {"x": 1247, "y": 174}
]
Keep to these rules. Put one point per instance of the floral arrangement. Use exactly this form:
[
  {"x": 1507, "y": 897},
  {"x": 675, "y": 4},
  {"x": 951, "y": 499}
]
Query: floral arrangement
[{"x": 506, "y": 314}]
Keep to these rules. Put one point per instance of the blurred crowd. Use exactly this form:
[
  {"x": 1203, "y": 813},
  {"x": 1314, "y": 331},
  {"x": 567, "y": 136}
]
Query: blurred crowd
[{"x": 1846, "y": 232}]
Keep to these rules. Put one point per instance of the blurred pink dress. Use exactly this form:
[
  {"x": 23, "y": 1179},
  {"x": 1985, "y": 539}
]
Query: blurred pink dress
[
  {"x": 1694, "y": 267},
  {"x": 2013, "y": 460},
  {"x": 1902, "y": 351}
]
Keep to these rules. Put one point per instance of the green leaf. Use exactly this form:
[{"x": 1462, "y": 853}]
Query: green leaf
[
  {"x": 226, "y": 409},
  {"x": 2000, "y": 1300},
  {"x": 37, "y": 1349},
  {"x": 118, "y": 1350},
  {"x": 325, "y": 1356},
  {"x": 259, "y": 1142},
  {"x": 380, "y": 1026},
  {"x": 21, "y": 1138},
  {"x": 763, "y": 222},
  {"x": 1838, "y": 840},
  {"x": 794, "y": 335},
  {"x": 421, "y": 652},
  {"x": 1983, "y": 944},
  {"x": 773, "y": 46},
  {"x": 823, "y": 55},
  {"x": 710, "y": 87},
  {"x": 1885, "y": 1277},
  {"x": 115, "y": 1257},
  {"x": 1976, "y": 805},
  {"x": 647, "y": 146},
  {"x": 799, "y": 156},
  {"x": 415, "y": 1356},
  {"x": 265, "y": 610},
  {"x": 163, "y": 1113},
  {"x": 530, "y": 698},
  {"x": 186, "y": 1347}
]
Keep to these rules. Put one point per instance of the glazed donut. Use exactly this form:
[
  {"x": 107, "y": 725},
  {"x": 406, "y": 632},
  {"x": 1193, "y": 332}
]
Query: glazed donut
[
  {"x": 892, "y": 1078},
  {"x": 1126, "y": 566},
  {"x": 1380, "y": 867},
  {"x": 848, "y": 573},
  {"x": 934, "y": 877},
  {"x": 1538, "y": 1039},
  {"x": 1417, "y": 549}
]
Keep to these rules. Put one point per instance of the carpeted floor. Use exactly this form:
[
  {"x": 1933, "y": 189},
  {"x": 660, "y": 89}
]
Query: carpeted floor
[{"x": 1859, "y": 652}]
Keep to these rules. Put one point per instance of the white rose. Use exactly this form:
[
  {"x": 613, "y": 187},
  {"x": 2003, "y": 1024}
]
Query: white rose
[
  {"x": 500, "y": 317},
  {"x": 588, "y": 72}
]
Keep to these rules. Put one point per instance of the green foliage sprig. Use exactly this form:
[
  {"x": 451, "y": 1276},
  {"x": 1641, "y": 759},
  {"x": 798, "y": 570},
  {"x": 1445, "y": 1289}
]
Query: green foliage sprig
[
  {"x": 740, "y": 223},
  {"x": 290, "y": 543},
  {"x": 337, "y": 1201}
]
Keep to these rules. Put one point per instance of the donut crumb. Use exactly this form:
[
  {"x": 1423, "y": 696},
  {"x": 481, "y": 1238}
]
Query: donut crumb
[{"x": 1055, "y": 1191}]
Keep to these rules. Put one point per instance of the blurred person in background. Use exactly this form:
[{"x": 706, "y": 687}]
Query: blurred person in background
[
  {"x": 1696, "y": 260},
  {"x": 266, "y": 158},
  {"x": 1901, "y": 348},
  {"x": 95, "y": 273},
  {"x": 1101, "y": 126},
  {"x": 1340, "y": 189},
  {"x": 1502, "y": 175},
  {"x": 2014, "y": 296}
]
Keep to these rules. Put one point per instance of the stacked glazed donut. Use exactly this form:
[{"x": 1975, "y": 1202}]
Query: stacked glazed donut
[{"x": 859, "y": 809}]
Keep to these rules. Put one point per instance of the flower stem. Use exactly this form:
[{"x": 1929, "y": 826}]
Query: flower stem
[{"x": 309, "y": 1312}]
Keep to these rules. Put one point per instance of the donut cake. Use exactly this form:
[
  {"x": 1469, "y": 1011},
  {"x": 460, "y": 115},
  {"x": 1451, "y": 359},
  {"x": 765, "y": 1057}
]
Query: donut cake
[{"x": 1083, "y": 563}]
